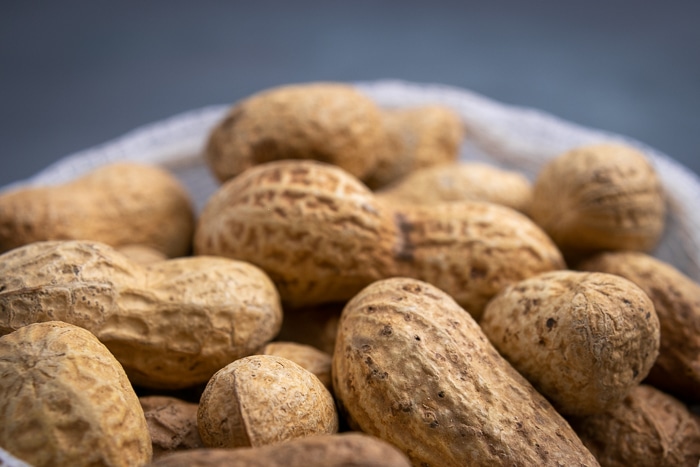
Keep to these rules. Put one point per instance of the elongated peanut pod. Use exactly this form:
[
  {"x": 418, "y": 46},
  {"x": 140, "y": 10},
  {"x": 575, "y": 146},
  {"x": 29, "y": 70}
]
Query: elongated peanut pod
[{"x": 171, "y": 325}]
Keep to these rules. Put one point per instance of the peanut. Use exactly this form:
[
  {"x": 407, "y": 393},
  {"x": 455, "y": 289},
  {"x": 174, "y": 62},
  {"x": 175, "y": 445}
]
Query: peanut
[
  {"x": 413, "y": 368},
  {"x": 66, "y": 401},
  {"x": 171, "y": 325},
  {"x": 118, "y": 204},
  {"x": 584, "y": 340},
  {"x": 322, "y": 236}
]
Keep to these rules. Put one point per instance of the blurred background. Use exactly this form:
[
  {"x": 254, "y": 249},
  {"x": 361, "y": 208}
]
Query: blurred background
[{"x": 78, "y": 73}]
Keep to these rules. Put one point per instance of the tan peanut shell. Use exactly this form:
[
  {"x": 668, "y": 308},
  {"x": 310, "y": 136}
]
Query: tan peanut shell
[
  {"x": 339, "y": 450},
  {"x": 66, "y": 401},
  {"x": 647, "y": 429},
  {"x": 676, "y": 299},
  {"x": 329, "y": 122},
  {"x": 322, "y": 236},
  {"x": 261, "y": 400},
  {"x": 172, "y": 424},
  {"x": 419, "y": 138},
  {"x": 584, "y": 340},
  {"x": 413, "y": 368},
  {"x": 171, "y": 325},
  {"x": 117, "y": 204},
  {"x": 306, "y": 356},
  {"x": 472, "y": 181},
  {"x": 600, "y": 197}
]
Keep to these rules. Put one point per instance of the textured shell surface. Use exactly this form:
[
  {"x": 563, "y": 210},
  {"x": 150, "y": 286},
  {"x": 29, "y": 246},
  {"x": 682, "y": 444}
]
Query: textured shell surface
[
  {"x": 413, "y": 368},
  {"x": 66, "y": 401},
  {"x": 583, "y": 339},
  {"x": 261, "y": 400},
  {"x": 173, "y": 324}
]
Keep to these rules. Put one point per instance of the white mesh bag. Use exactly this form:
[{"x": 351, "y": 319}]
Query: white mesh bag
[{"x": 510, "y": 137}]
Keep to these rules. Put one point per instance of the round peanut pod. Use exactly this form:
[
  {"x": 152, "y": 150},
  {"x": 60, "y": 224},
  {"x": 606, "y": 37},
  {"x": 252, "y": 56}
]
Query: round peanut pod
[
  {"x": 339, "y": 450},
  {"x": 600, "y": 197},
  {"x": 118, "y": 204},
  {"x": 584, "y": 340},
  {"x": 471, "y": 181},
  {"x": 413, "y": 368},
  {"x": 171, "y": 325},
  {"x": 418, "y": 138},
  {"x": 172, "y": 424},
  {"x": 647, "y": 429},
  {"x": 261, "y": 400},
  {"x": 329, "y": 122},
  {"x": 322, "y": 236},
  {"x": 65, "y": 400},
  {"x": 676, "y": 300}
]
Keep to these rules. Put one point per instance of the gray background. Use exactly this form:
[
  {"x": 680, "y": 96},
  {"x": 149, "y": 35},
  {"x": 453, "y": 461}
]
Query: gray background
[{"x": 74, "y": 74}]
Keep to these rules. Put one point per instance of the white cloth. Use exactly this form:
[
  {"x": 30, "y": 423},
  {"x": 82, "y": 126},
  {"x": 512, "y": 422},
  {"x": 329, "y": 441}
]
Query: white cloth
[{"x": 511, "y": 137}]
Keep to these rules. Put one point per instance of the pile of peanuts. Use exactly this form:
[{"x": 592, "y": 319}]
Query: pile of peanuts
[{"x": 352, "y": 294}]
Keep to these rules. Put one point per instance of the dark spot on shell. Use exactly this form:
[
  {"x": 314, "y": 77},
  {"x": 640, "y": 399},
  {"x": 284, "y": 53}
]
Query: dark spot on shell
[
  {"x": 417, "y": 338},
  {"x": 370, "y": 309},
  {"x": 542, "y": 342},
  {"x": 434, "y": 424},
  {"x": 477, "y": 272},
  {"x": 648, "y": 315},
  {"x": 366, "y": 348},
  {"x": 387, "y": 331},
  {"x": 413, "y": 288},
  {"x": 551, "y": 322},
  {"x": 635, "y": 372},
  {"x": 441, "y": 394},
  {"x": 76, "y": 269},
  {"x": 626, "y": 302},
  {"x": 2, "y": 288}
]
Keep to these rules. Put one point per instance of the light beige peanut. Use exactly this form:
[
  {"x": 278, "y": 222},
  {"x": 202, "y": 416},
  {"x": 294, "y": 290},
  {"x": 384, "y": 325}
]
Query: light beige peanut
[
  {"x": 118, "y": 204},
  {"x": 306, "y": 356},
  {"x": 472, "y": 181},
  {"x": 584, "y": 340},
  {"x": 647, "y": 429},
  {"x": 419, "y": 138},
  {"x": 171, "y": 325},
  {"x": 172, "y": 424},
  {"x": 322, "y": 236},
  {"x": 66, "y": 401},
  {"x": 600, "y": 197},
  {"x": 413, "y": 368},
  {"x": 339, "y": 450},
  {"x": 262, "y": 400},
  {"x": 329, "y": 122},
  {"x": 336, "y": 124},
  {"x": 676, "y": 300}
]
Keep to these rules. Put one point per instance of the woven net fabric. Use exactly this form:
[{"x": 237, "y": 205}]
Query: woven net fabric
[{"x": 511, "y": 137}]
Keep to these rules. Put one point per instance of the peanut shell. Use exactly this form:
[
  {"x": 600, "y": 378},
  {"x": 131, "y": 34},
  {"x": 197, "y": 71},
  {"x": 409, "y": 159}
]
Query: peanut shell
[
  {"x": 340, "y": 450},
  {"x": 647, "y": 429},
  {"x": 117, "y": 204},
  {"x": 329, "y": 122},
  {"x": 600, "y": 197},
  {"x": 584, "y": 340},
  {"x": 261, "y": 400},
  {"x": 171, "y": 325},
  {"x": 66, "y": 401},
  {"x": 676, "y": 300},
  {"x": 413, "y": 368}
]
